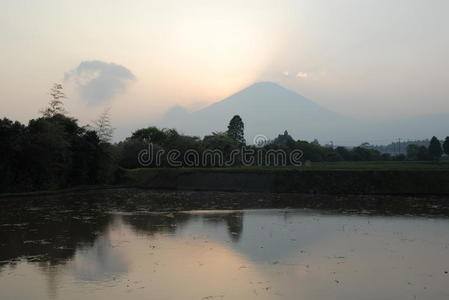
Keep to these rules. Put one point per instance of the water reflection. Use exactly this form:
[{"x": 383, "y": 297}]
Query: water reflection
[{"x": 253, "y": 254}]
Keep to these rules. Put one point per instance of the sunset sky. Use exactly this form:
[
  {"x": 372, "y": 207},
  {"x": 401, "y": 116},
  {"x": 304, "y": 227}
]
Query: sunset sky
[{"x": 372, "y": 59}]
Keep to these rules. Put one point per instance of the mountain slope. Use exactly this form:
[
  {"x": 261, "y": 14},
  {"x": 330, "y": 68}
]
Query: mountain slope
[{"x": 268, "y": 109}]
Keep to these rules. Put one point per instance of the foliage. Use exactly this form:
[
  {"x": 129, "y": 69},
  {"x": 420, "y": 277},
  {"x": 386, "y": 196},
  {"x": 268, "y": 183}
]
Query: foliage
[
  {"x": 55, "y": 106},
  {"x": 236, "y": 129},
  {"x": 51, "y": 152},
  {"x": 412, "y": 151},
  {"x": 400, "y": 146},
  {"x": 149, "y": 134},
  {"x": 435, "y": 150},
  {"x": 446, "y": 145},
  {"x": 284, "y": 140},
  {"x": 219, "y": 140},
  {"x": 103, "y": 126}
]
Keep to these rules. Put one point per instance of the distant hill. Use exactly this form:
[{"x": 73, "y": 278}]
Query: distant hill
[{"x": 268, "y": 109}]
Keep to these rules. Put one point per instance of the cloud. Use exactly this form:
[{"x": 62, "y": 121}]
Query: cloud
[
  {"x": 302, "y": 75},
  {"x": 98, "y": 81},
  {"x": 285, "y": 73}
]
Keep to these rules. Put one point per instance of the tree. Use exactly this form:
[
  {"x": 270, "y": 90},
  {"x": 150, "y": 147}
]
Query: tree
[
  {"x": 284, "y": 140},
  {"x": 435, "y": 150},
  {"x": 10, "y": 135},
  {"x": 103, "y": 126},
  {"x": 236, "y": 129},
  {"x": 220, "y": 141},
  {"x": 344, "y": 153},
  {"x": 446, "y": 145},
  {"x": 51, "y": 152},
  {"x": 365, "y": 145},
  {"x": 311, "y": 151},
  {"x": 55, "y": 106},
  {"x": 363, "y": 154},
  {"x": 412, "y": 151},
  {"x": 423, "y": 153},
  {"x": 149, "y": 135}
]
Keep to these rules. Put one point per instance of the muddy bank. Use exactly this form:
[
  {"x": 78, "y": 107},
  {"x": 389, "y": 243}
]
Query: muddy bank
[
  {"x": 134, "y": 199},
  {"x": 334, "y": 182}
]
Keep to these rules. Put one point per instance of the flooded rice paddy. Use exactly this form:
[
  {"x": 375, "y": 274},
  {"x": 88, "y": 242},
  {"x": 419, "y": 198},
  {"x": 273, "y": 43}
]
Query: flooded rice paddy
[{"x": 81, "y": 252}]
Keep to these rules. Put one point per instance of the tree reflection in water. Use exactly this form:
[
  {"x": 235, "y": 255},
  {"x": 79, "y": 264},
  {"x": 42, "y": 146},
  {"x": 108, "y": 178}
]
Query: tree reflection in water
[{"x": 51, "y": 237}]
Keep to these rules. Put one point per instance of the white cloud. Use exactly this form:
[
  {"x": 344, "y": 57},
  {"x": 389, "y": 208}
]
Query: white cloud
[{"x": 98, "y": 81}]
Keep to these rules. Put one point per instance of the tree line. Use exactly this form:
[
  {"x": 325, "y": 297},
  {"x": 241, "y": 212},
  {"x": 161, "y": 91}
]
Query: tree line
[
  {"x": 54, "y": 151},
  {"x": 233, "y": 139}
]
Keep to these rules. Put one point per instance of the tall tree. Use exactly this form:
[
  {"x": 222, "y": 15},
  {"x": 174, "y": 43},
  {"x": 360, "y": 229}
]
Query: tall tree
[
  {"x": 236, "y": 129},
  {"x": 55, "y": 106},
  {"x": 435, "y": 150},
  {"x": 446, "y": 145},
  {"x": 103, "y": 126}
]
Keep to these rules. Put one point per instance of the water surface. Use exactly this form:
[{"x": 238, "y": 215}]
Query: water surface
[{"x": 231, "y": 254}]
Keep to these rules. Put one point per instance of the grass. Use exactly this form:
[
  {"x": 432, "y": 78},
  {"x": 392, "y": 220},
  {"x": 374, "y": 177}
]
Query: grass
[
  {"x": 379, "y": 165},
  {"x": 319, "y": 166}
]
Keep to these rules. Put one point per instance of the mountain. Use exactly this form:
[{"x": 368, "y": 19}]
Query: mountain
[{"x": 268, "y": 109}]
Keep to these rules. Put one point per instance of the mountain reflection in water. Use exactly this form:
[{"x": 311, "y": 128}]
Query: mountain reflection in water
[{"x": 86, "y": 253}]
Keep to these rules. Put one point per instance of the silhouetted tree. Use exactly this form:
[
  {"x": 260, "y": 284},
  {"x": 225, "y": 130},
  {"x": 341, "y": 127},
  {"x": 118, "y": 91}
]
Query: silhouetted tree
[
  {"x": 10, "y": 136},
  {"x": 103, "y": 126},
  {"x": 446, "y": 145},
  {"x": 129, "y": 151},
  {"x": 364, "y": 154},
  {"x": 150, "y": 135},
  {"x": 221, "y": 141},
  {"x": 311, "y": 151},
  {"x": 344, "y": 153},
  {"x": 55, "y": 106},
  {"x": 284, "y": 139},
  {"x": 236, "y": 129},
  {"x": 412, "y": 151},
  {"x": 435, "y": 150},
  {"x": 51, "y": 152},
  {"x": 423, "y": 153}
]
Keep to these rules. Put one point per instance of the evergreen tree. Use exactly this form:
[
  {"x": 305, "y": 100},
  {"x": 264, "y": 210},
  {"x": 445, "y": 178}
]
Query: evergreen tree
[
  {"x": 236, "y": 129},
  {"x": 435, "y": 150},
  {"x": 446, "y": 145}
]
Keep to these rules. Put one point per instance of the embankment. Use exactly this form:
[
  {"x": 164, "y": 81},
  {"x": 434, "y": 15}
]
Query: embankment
[{"x": 334, "y": 182}]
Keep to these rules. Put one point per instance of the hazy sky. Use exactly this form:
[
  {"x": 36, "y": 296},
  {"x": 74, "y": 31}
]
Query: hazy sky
[{"x": 364, "y": 58}]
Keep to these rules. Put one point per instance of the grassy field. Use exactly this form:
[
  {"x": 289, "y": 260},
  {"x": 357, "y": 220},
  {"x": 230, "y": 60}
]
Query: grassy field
[
  {"x": 324, "y": 166},
  {"x": 322, "y": 178},
  {"x": 379, "y": 165},
  {"x": 395, "y": 173}
]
